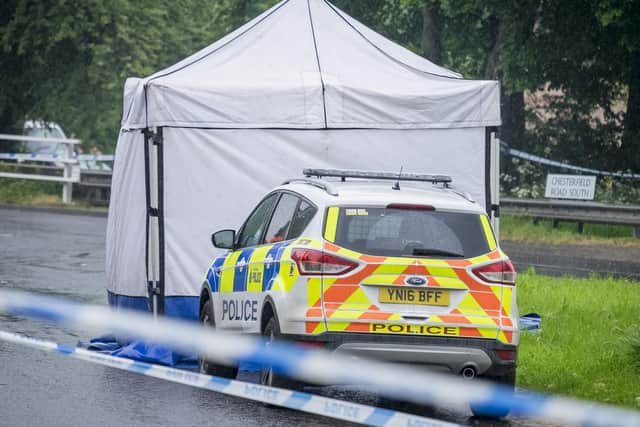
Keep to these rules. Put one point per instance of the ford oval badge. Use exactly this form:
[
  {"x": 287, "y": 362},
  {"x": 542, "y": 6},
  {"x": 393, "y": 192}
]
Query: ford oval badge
[{"x": 415, "y": 280}]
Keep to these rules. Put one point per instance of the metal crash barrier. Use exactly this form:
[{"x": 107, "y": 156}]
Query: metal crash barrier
[
  {"x": 67, "y": 161},
  {"x": 314, "y": 366}
]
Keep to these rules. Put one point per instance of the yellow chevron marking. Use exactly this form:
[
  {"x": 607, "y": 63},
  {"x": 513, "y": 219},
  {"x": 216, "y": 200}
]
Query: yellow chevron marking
[
  {"x": 481, "y": 320},
  {"x": 480, "y": 259},
  {"x": 395, "y": 316},
  {"x": 488, "y": 333},
  {"x": 497, "y": 291},
  {"x": 444, "y": 271},
  {"x": 395, "y": 269},
  {"x": 450, "y": 282},
  {"x": 506, "y": 299},
  {"x": 321, "y": 327},
  {"x": 488, "y": 232},
  {"x": 380, "y": 279},
  {"x": 288, "y": 271},
  {"x": 433, "y": 263},
  {"x": 343, "y": 314},
  {"x": 398, "y": 260},
  {"x": 314, "y": 291},
  {"x": 357, "y": 301},
  {"x": 338, "y": 326},
  {"x": 469, "y": 305},
  {"x": 332, "y": 224}
]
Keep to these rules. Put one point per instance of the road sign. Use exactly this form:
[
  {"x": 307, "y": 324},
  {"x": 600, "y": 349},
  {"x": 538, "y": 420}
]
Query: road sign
[{"x": 577, "y": 187}]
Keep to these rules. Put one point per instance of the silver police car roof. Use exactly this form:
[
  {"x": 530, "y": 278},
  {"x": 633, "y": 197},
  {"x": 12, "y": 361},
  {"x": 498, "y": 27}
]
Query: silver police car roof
[{"x": 381, "y": 193}]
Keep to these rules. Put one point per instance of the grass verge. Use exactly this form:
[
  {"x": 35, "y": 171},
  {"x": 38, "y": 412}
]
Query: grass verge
[
  {"x": 589, "y": 346},
  {"x": 21, "y": 191},
  {"x": 41, "y": 194},
  {"x": 522, "y": 229}
]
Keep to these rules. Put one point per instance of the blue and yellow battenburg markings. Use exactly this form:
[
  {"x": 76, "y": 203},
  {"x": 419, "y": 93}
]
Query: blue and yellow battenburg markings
[{"x": 247, "y": 270}]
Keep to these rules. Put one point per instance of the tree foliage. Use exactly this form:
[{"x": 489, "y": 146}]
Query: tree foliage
[{"x": 67, "y": 61}]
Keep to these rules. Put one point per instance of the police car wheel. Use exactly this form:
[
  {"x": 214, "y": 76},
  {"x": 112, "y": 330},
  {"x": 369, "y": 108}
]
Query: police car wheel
[
  {"x": 205, "y": 366},
  {"x": 267, "y": 376}
]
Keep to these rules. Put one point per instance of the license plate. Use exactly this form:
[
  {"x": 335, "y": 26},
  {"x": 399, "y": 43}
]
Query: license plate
[{"x": 405, "y": 295}]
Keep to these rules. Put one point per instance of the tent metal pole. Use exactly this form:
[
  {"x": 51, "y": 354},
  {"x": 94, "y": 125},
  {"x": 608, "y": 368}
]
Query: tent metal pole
[
  {"x": 159, "y": 143},
  {"x": 492, "y": 177},
  {"x": 488, "y": 188},
  {"x": 495, "y": 204},
  {"x": 147, "y": 188},
  {"x": 154, "y": 233}
]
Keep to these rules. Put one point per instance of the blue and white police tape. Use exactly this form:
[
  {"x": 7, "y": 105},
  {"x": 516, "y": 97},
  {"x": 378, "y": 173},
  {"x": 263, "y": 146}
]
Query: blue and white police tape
[
  {"x": 319, "y": 405},
  {"x": 543, "y": 161},
  {"x": 319, "y": 366},
  {"x": 56, "y": 157}
]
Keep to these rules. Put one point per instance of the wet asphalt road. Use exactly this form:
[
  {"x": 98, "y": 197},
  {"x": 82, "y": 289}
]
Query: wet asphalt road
[{"x": 63, "y": 255}]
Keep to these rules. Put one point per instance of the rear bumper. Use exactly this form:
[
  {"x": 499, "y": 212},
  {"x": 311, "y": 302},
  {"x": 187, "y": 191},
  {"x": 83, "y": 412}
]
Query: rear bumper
[{"x": 451, "y": 354}]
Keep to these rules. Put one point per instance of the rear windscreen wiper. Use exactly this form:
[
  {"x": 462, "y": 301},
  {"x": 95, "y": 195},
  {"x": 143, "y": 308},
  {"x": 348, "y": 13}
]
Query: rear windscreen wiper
[{"x": 433, "y": 251}]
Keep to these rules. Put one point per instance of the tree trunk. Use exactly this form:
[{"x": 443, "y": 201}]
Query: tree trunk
[
  {"x": 631, "y": 136},
  {"x": 512, "y": 111},
  {"x": 431, "y": 29},
  {"x": 511, "y": 103},
  {"x": 492, "y": 61}
]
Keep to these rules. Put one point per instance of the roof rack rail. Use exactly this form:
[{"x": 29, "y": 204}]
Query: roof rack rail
[
  {"x": 403, "y": 176},
  {"x": 323, "y": 185}
]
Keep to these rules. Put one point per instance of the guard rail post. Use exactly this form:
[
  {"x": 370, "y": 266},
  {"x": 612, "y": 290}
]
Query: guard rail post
[{"x": 67, "y": 187}]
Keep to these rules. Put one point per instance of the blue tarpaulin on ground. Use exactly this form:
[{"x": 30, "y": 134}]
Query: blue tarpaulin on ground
[
  {"x": 530, "y": 322},
  {"x": 185, "y": 308}
]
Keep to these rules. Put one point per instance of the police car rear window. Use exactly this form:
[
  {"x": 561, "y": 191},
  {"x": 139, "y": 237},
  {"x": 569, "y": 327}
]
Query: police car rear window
[{"x": 410, "y": 232}]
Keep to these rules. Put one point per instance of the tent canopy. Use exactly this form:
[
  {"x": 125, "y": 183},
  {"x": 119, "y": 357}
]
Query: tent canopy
[{"x": 304, "y": 64}]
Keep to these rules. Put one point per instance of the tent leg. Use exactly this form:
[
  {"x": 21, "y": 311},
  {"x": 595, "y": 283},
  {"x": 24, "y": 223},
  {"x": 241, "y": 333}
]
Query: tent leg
[
  {"x": 155, "y": 234},
  {"x": 495, "y": 205},
  {"x": 492, "y": 178}
]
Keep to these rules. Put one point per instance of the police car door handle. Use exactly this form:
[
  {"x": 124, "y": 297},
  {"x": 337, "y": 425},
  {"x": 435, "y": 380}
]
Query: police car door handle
[{"x": 268, "y": 260}]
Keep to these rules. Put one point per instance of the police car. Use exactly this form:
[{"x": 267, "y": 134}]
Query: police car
[{"x": 398, "y": 267}]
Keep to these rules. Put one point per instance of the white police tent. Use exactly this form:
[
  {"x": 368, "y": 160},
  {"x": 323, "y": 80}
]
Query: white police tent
[{"x": 302, "y": 85}]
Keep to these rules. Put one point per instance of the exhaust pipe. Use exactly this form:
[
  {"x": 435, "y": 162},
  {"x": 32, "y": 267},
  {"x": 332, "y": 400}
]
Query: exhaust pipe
[{"x": 468, "y": 372}]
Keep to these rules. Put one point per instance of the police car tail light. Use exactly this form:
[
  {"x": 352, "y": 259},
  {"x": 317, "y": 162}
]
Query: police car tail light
[
  {"x": 502, "y": 272},
  {"x": 313, "y": 262}
]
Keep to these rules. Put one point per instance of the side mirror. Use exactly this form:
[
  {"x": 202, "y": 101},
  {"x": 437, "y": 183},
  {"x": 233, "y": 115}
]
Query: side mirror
[{"x": 223, "y": 239}]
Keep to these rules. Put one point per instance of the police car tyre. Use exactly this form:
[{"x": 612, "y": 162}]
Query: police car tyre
[
  {"x": 267, "y": 376},
  {"x": 206, "y": 366}
]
